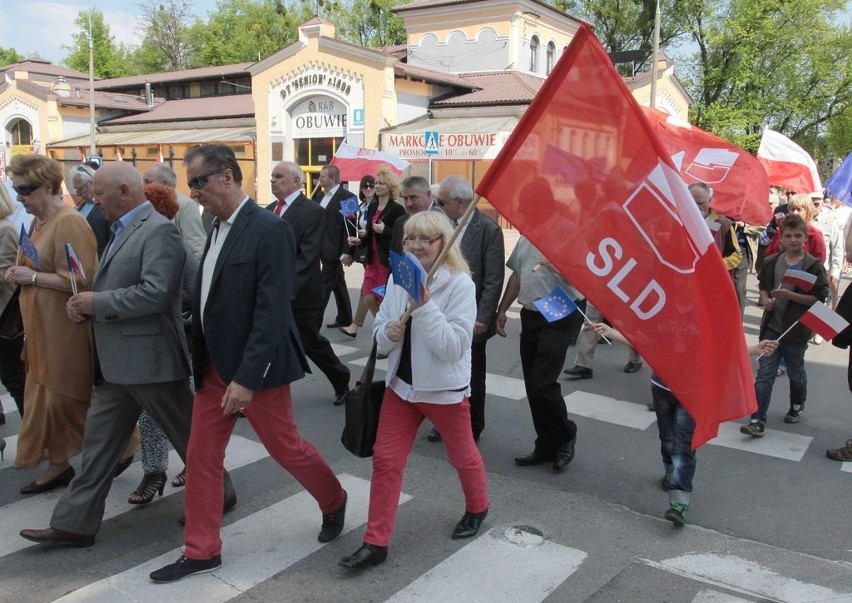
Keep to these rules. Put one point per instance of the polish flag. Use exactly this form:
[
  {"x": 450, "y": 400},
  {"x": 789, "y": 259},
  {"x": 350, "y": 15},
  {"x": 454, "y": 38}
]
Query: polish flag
[
  {"x": 160, "y": 154},
  {"x": 821, "y": 320},
  {"x": 354, "y": 163},
  {"x": 799, "y": 278},
  {"x": 75, "y": 266},
  {"x": 787, "y": 164},
  {"x": 118, "y": 156}
]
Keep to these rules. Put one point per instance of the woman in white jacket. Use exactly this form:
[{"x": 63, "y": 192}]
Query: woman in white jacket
[{"x": 428, "y": 376}]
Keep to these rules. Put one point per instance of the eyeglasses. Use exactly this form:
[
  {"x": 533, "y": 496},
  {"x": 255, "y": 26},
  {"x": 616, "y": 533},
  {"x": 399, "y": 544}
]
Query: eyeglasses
[
  {"x": 423, "y": 241},
  {"x": 77, "y": 189},
  {"x": 368, "y": 186},
  {"x": 25, "y": 190},
  {"x": 200, "y": 182}
]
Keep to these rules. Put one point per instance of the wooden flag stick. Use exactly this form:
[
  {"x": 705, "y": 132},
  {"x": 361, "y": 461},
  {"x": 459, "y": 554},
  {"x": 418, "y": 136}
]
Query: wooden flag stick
[{"x": 780, "y": 336}]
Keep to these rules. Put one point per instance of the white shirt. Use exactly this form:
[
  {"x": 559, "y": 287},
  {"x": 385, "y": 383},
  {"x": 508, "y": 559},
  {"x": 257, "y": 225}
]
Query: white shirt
[
  {"x": 286, "y": 202},
  {"x": 217, "y": 241},
  {"x": 328, "y": 195}
]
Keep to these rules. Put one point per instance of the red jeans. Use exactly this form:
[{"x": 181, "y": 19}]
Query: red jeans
[
  {"x": 271, "y": 415},
  {"x": 398, "y": 424}
]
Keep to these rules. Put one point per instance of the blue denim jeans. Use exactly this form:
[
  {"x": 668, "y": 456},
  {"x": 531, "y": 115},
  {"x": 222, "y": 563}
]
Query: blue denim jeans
[
  {"x": 676, "y": 428},
  {"x": 794, "y": 355}
]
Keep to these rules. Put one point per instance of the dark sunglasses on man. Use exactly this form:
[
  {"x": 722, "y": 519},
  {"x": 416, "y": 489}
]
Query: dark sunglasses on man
[{"x": 200, "y": 182}]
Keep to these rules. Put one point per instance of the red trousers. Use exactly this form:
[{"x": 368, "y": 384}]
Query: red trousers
[
  {"x": 398, "y": 424},
  {"x": 271, "y": 415}
]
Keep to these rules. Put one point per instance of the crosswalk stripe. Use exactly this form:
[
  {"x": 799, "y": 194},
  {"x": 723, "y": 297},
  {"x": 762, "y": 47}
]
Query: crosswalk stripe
[
  {"x": 512, "y": 565},
  {"x": 255, "y": 548},
  {"x": 778, "y": 444},
  {"x": 712, "y": 596},
  {"x": 604, "y": 408},
  {"x": 340, "y": 349},
  {"x": 8, "y": 404},
  {"x": 10, "y": 452},
  {"x": 35, "y": 511},
  {"x": 847, "y": 467}
]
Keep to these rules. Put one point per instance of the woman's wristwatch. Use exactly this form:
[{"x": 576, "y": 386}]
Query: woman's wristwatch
[{"x": 34, "y": 278}]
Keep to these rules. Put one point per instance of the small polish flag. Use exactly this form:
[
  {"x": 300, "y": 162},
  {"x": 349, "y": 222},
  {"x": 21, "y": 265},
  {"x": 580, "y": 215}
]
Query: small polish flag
[
  {"x": 787, "y": 164},
  {"x": 118, "y": 156},
  {"x": 799, "y": 278},
  {"x": 160, "y": 155},
  {"x": 821, "y": 320},
  {"x": 75, "y": 266}
]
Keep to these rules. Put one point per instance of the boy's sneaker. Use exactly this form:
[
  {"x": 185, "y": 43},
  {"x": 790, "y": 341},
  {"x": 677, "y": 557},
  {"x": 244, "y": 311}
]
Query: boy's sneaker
[
  {"x": 844, "y": 454},
  {"x": 676, "y": 513},
  {"x": 794, "y": 415},
  {"x": 754, "y": 428}
]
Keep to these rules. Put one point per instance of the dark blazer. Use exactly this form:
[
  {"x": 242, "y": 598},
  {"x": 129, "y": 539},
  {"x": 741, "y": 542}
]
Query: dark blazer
[
  {"x": 393, "y": 212},
  {"x": 101, "y": 227},
  {"x": 483, "y": 247},
  {"x": 306, "y": 219},
  {"x": 248, "y": 333},
  {"x": 335, "y": 241}
]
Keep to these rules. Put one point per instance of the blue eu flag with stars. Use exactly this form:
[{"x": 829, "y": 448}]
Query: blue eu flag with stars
[
  {"x": 407, "y": 273},
  {"x": 27, "y": 246},
  {"x": 349, "y": 206},
  {"x": 555, "y": 305}
]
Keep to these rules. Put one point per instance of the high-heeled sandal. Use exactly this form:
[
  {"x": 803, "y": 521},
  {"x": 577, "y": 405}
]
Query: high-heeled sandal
[
  {"x": 152, "y": 483},
  {"x": 180, "y": 479}
]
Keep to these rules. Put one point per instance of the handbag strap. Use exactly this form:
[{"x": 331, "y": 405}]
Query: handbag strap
[{"x": 370, "y": 367}]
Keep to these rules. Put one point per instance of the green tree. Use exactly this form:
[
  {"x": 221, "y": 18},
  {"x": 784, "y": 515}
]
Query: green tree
[
  {"x": 166, "y": 41},
  {"x": 9, "y": 56},
  {"x": 371, "y": 23},
  {"x": 110, "y": 59}
]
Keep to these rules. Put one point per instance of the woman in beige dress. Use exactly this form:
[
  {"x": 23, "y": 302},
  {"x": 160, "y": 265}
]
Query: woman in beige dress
[{"x": 57, "y": 352}]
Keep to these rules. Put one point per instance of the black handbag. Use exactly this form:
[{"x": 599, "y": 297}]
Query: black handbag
[
  {"x": 11, "y": 323},
  {"x": 363, "y": 405}
]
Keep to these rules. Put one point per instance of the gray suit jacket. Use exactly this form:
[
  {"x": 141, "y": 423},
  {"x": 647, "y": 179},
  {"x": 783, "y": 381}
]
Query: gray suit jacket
[
  {"x": 137, "y": 321},
  {"x": 189, "y": 225},
  {"x": 483, "y": 247}
]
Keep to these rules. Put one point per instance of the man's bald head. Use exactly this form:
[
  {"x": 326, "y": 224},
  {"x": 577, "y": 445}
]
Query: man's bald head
[{"x": 118, "y": 189}]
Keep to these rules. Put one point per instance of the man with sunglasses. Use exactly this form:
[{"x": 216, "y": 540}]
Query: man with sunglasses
[{"x": 83, "y": 191}]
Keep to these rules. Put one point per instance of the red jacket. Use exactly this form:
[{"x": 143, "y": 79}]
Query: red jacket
[{"x": 814, "y": 244}]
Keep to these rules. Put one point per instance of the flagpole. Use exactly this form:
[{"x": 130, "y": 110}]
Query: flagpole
[
  {"x": 780, "y": 336},
  {"x": 590, "y": 322}
]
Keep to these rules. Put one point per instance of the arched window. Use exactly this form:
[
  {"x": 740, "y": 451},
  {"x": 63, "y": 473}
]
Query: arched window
[
  {"x": 534, "y": 44},
  {"x": 20, "y": 132},
  {"x": 551, "y": 57}
]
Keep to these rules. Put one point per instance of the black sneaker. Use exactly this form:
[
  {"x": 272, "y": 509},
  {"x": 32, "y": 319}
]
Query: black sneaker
[
  {"x": 794, "y": 415},
  {"x": 676, "y": 513},
  {"x": 754, "y": 428},
  {"x": 184, "y": 567}
]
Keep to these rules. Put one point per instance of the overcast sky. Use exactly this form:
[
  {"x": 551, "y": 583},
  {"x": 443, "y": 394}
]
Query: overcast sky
[{"x": 44, "y": 26}]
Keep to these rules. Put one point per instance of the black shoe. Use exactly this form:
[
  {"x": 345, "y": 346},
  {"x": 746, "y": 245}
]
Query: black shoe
[
  {"x": 60, "y": 481},
  {"x": 332, "y": 523},
  {"x": 794, "y": 415},
  {"x": 340, "y": 399},
  {"x": 335, "y": 325},
  {"x": 754, "y": 428},
  {"x": 632, "y": 367},
  {"x": 227, "y": 506},
  {"x": 58, "y": 537},
  {"x": 184, "y": 567},
  {"x": 347, "y": 333},
  {"x": 367, "y": 555},
  {"x": 578, "y": 372},
  {"x": 533, "y": 458},
  {"x": 434, "y": 435},
  {"x": 469, "y": 524},
  {"x": 122, "y": 466},
  {"x": 2, "y": 419},
  {"x": 564, "y": 456}
]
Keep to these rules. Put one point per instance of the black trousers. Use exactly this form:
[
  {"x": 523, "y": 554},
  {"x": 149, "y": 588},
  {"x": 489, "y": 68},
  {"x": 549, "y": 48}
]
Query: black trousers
[
  {"x": 477, "y": 387},
  {"x": 334, "y": 282},
  {"x": 318, "y": 349},
  {"x": 12, "y": 372},
  {"x": 543, "y": 349}
]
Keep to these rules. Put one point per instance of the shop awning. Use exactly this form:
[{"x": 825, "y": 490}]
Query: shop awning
[
  {"x": 459, "y": 138},
  {"x": 160, "y": 137}
]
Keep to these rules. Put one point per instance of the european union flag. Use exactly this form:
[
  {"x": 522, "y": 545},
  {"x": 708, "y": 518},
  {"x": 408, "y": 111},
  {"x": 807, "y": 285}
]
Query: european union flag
[
  {"x": 555, "y": 305},
  {"x": 349, "y": 206},
  {"x": 840, "y": 182},
  {"x": 27, "y": 246},
  {"x": 407, "y": 273},
  {"x": 380, "y": 291}
]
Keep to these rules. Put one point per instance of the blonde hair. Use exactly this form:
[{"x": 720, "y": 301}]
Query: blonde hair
[
  {"x": 385, "y": 176},
  {"x": 434, "y": 224},
  {"x": 802, "y": 201},
  {"x": 39, "y": 170},
  {"x": 7, "y": 206}
]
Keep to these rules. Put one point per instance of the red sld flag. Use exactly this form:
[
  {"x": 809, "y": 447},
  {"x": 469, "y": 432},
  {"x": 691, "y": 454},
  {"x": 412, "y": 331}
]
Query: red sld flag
[
  {"x": 738, "y": 180},
  {"x": 586, "y": 181}
]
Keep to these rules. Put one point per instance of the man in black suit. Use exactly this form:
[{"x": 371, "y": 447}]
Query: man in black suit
[
  {"x": 416, "y": 197},
  {"x": 81, "y": 179},
  {"x": 245, "y": 354},
  {"x": 306, "y": 219},
  {"x": 335, "y": 248},
  {"x": 482, "y": 245}
]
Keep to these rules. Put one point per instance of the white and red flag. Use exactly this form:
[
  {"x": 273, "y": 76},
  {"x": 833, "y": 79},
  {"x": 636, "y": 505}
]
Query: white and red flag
[
  {"x": 787, "y": 164},
  {"x": 823, "y": 321},
  {"x": 585, "y": 179},
  {"x": 118, "y": 156},
  {"x": 799, "y": 278},
  {"x": 356, "y": 162},
  {"x": 160, "y": 154},
  {"x": 75, "y": 267},
  {"x": 738, "y": 179}
]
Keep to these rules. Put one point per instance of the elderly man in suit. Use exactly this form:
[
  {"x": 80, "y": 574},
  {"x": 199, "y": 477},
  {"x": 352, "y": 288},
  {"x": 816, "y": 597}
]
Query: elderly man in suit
[
  {"x": 335, "y": 247},
  {"x": 140, "y": 353},
  {"x": 482, "y": 245},
  {"x": 245, "y": 354},
  {"x": 81, "y": 179},
  {"x": 306, "y": 219},
  {"x": 188, "y": 218}
]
